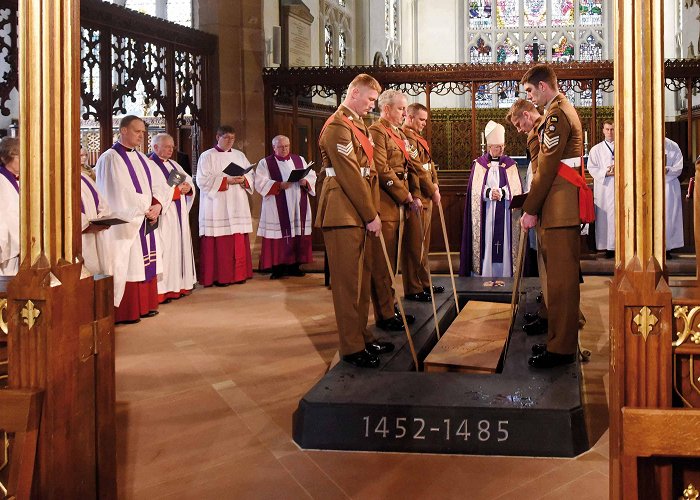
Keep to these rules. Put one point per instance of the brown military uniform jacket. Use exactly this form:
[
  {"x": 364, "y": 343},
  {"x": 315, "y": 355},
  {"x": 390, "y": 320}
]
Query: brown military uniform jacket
[
  {"x": 427, "y": 176},
  {"x": 551, "y": 196},
  {"x": 533, "y": 143},
  {"x": 392, "y": 169},
  {"x": 349, "y": 198}
]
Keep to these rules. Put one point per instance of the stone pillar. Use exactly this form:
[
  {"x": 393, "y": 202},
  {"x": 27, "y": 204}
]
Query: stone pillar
[
  {"x": 54, "y": 304},
  {"x": 238, "y": 88},
  {"x": 640, "y": 300}
]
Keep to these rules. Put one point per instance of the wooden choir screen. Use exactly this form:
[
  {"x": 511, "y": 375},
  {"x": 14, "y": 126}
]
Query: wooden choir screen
[{"x": 125, "y": 54}]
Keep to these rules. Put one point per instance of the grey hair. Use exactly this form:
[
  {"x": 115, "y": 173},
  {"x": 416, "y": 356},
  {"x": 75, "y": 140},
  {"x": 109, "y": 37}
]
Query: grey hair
[
  {"x": 159, "y": 137},
  {"x": 389, "y": 97},
  {"x": 276, "y": 139}
]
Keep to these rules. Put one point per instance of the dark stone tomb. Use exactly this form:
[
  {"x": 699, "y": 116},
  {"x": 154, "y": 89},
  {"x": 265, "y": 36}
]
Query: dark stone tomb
[{"x": 518, "y": 411}]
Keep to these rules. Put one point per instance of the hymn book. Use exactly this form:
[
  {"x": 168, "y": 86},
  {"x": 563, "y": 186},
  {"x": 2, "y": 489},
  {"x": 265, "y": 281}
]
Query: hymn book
[
  {"x": 235, "y": 170},
  {"x": 176, "y": 178},
  {"x": 298, "y": 174},
  {"x": 107, "y": 221}
]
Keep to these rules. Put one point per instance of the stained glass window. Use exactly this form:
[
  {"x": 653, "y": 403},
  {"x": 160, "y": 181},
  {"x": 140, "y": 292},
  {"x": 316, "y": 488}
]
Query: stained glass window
[
  {"x": 590, "y": 12},
  {"x": 328, "y": 45},
  {"x": 507, "y": 14},
  {"x": 342, "y": 49},
  {"x": 562, "y": 48},
  {"x": 508, "y": 93},
  {"x": 480, "y": 14},
  {"x": 507, "y": 52},
  {"x": 562, "y": 13},
  {"x": 535, "y": 13},
  {"x": 590, "y": 49},
  {"x": 538, "y": 55},
  {"x": 480, "y": 52},
  {"x": 484, "y": 97}
]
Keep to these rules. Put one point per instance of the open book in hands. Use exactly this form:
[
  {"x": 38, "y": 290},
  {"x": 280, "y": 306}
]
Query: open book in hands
[
  {"x": 235, "y": 170},
  {"x": 298, "y": 174}
]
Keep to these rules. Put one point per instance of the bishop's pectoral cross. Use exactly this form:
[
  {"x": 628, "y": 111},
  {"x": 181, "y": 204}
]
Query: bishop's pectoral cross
[{"x": 498, "y": 247}]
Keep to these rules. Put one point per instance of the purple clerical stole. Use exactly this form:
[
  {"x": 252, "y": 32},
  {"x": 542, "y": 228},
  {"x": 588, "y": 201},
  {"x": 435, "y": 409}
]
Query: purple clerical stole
[
  {"x": 281, "y": 197},
  {"x": 500, "y": 215},
  {"x": 95, "y": 196},
  {"x": 148, "y": 247},
  {"x": 10, "y": 177}
]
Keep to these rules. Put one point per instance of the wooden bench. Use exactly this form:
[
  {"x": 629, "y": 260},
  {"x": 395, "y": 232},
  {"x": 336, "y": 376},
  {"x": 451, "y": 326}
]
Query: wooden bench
[{"x": 474, "y": 341}]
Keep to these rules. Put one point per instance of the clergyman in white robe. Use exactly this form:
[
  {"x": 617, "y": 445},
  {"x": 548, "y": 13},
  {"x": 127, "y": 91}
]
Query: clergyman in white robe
[
  {"x": 97, "y": 254},
  {"x": 674, "y": 204},
  {"x": 132, "y": 184},
  {"x": 9, "y": 223},
  {"x": 224, "y": 217},
  {"x": 285, "y": 217},
  {"x": 179, "y": 276},
  {"x": 601, "y": 161}
]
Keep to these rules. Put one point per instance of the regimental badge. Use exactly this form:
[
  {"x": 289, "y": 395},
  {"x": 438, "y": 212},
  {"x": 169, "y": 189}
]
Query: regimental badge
[
  {"x": 551, "y": 141},
  {"x": 553, "y": 119},
  {"x": 389, "y": 183},
  {"x": 345, "y": 149},
  {"x": 552, "y": 128}
]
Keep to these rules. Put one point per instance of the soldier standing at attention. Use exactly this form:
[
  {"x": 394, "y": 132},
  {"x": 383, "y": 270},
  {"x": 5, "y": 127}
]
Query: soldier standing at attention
[
  {"x": 549, "y": 205},
  {"x": 348, "y": 215}
]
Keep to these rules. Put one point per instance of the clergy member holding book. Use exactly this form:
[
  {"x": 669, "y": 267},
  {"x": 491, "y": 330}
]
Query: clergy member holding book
[
  {"x": 97, "y": 254},
  {"x": 285, "y": 217},
  {"x": 179, "y": 276},
  {"x": 131, "y": 188},
  {"x": 489, "y": 232},
  {"x": 9, "y": 206},
  {"x": 225, "y": 177}
]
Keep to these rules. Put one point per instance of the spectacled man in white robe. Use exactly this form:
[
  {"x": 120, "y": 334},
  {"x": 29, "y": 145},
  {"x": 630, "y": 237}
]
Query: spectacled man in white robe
[
  {"x": 224, "y": 213},
  {"x": 601, "y": 166},
  {"x": 9, "y": 206},
  {"x": 285, "y": 217},
  {"x": 133, "y": 188},
  {"x": 179, "y": 276}
]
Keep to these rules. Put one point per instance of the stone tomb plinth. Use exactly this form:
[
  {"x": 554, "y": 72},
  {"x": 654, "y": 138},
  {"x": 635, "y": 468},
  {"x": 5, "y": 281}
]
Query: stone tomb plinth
[
  {"x": 516, "y": 411},
  {"x": 475, "y": 340}
]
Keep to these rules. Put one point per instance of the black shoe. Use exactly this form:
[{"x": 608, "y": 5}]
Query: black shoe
[
  {"x": 538, "y": 348},
  {"x": 393, "y": 324},
  {"x": 222, "y": 285},
  {"x": 550, "y": 360},
  {"x": 669, "y": 255},
  {"x": 419, "y": 297},
  {"x": 536, "y": 327},
  {"x": 378, "y": 347},
  {"x": 276, "y": 276},
  {"x": 362, "y": 359},
  {"x": 610, "y": 254},
  {"x": 167, "y": 301},
  {"x": 127, "y": 321},
  {"x": 410, "y": 318},
  {"x": 294, "y": 270},
  {"x": 530, "y": 317},
  {"x": 539, "y": 298},
  {"x": 149, "y": 314},
  {"x": 436, "y": 289}
]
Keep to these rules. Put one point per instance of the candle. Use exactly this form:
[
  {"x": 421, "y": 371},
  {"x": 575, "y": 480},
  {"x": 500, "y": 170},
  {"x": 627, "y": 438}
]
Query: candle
[
  {"x": 483, "y": 140},
  {"x": 585, "y": 136}
]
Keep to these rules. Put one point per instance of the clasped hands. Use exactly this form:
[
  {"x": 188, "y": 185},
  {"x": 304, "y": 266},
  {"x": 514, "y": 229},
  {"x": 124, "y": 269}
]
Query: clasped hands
[
  {"x": 302, "y": 183},
  {"x": 153, "y": 212}
]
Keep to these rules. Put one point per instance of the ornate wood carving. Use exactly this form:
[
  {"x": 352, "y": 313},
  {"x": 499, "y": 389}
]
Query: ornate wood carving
[{"x": 8, "y": 54}]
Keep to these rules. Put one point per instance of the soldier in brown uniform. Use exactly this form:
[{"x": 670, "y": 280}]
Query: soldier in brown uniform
[
  {"x": 394, "y": 165},
  {"x": 549, "y": 204},
  {"x": 348, "y": 215},
  {"x": 416, "y": 281},
  {"x": 527, "y": 119}
]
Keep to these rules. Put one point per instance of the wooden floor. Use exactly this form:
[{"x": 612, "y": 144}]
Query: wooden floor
[{"x": 206, "y": 392}]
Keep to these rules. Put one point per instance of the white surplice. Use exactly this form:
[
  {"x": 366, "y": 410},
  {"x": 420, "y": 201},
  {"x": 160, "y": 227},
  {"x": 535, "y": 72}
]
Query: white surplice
[
  {"x": 97, "y": 255},
  {"x": 674, "y": 203},
  {"x": 9, "y": 228},
  {"x": 269, "y": 226},
  {"x": 222, "y": 213},
  {"x": 114, "y": 182},
  {"x": 174, "y": 228},
  {"x": 600, "y": 158}
]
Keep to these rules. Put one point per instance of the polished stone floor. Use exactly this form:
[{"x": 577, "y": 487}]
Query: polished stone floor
[{"x": 206, "y": 392}]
